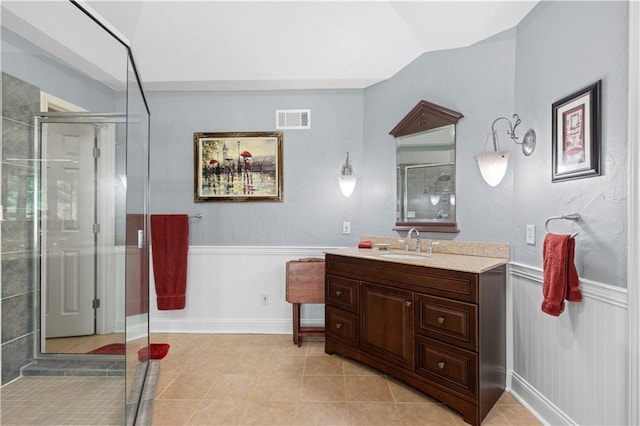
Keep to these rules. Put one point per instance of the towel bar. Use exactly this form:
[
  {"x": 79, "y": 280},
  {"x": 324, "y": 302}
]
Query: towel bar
[
  {"x": 196, "y": 216},
  {"x": 571, "y": 216}
]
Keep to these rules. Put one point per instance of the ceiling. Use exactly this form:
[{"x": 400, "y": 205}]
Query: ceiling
[{"x": 242, "y": 45}]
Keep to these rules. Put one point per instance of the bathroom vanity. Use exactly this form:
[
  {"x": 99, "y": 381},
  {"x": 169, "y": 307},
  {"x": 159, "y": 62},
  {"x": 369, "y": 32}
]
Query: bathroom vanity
[{"x": 436, "y": 323}]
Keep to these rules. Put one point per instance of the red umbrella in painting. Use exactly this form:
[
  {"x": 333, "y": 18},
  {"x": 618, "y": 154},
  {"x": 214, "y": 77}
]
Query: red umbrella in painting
[
  {"x": 213, "y": 161},
  {"x": 246, "y": 154}
]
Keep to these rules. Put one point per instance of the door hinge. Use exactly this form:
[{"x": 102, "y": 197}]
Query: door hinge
[
  {"x": 96, "y": 303},
  {"x": 96, "y": 228},
  {"x": 96, "y": 152}
]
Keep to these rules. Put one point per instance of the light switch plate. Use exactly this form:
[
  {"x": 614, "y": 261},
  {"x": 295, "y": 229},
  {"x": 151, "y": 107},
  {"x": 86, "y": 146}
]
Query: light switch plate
[
  {"x": 346, "y": 228},
  {"x": 531, "y": 235}
]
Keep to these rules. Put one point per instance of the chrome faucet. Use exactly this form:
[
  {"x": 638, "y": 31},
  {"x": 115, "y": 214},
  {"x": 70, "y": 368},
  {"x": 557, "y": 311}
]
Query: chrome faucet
[
  {"x": 430, "y": 247},
  {"x": 406, "y": 244}
]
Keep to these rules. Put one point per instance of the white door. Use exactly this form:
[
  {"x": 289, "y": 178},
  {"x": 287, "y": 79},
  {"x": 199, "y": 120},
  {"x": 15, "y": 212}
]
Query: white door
[{"x": 68, "y": 183}]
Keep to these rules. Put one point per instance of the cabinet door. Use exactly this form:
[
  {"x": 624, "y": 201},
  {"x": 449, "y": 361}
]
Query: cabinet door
[{"x": 386, "y": 324}]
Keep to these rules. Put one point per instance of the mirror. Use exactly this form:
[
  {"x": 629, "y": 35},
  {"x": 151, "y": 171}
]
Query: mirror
[{"x": 425, "y": 169}]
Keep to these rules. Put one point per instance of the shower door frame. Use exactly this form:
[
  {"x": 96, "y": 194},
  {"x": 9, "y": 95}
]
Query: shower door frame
[{"x": 105, "y": 320}]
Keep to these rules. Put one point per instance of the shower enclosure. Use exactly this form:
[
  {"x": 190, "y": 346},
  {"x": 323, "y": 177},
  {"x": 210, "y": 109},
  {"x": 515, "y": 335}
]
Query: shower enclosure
[{"x": 74, "y": 214}]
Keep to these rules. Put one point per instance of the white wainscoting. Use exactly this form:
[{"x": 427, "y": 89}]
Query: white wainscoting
[
  {"x": 224, "y": 288},
  {"x": 571, "y": 369}
]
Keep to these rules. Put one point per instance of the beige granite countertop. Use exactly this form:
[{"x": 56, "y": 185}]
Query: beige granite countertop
[
  {"x": 453, "y": 262},
  {"x": 465, "y": 256}
]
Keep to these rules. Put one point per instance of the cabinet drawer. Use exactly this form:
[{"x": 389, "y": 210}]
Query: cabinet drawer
[
  {"x": 451, "y": 321},
  {"x": 447, "y": 365},
  {"x": 342, "y": 293},
  {"x": 341, "y": 325}
]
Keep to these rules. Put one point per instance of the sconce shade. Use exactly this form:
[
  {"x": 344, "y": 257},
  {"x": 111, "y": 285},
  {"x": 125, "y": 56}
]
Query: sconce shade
[
  {"x": 493, "y": 166},
  {"x": 347, "y": 180},
  {"x": 347, "y": 184}
]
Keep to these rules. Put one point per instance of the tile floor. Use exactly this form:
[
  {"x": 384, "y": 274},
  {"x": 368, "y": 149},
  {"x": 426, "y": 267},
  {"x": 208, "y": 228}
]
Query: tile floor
[
  {"x": 63, "y": 401},
  {"x": 213, "y": 379}
]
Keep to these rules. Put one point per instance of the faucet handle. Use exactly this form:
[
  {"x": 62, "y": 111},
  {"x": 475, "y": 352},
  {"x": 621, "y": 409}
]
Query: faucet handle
[
  {"x": 406, "y": 244},
  {"x": 430, "y": 246}
]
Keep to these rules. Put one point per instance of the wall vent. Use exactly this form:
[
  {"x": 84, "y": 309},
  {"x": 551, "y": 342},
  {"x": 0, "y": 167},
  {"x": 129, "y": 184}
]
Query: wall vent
[{"x": 293, "y": 119}]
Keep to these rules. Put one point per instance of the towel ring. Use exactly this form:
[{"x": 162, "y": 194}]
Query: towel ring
[{"x": 571, "y": 216}]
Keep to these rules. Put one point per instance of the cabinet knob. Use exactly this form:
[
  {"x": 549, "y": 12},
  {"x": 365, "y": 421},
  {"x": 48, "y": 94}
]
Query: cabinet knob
[
  {"x": 339, "y": 325},
  {"x": 440, "y": 320},
  {"x": 338, "y": 292},
  {"x": 407, "y": 303},
  {"x": 441, "y": 365}
]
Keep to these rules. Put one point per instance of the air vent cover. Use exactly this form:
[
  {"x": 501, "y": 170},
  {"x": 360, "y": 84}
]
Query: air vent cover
[{"x": 293, "y": 119}]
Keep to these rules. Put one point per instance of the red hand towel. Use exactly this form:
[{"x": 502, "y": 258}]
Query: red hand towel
[
  {"x": 170, "y": 245},
  {"x": 560, "y": 277}
]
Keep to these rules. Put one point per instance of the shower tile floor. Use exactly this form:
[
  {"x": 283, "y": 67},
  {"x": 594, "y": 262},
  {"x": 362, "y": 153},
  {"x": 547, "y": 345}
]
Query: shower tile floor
[{"x": 63, "y": 401}]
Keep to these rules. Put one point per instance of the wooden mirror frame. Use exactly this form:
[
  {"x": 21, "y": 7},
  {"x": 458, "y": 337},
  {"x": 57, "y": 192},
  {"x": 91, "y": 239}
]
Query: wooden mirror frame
[{"x": 426, "y": 116}]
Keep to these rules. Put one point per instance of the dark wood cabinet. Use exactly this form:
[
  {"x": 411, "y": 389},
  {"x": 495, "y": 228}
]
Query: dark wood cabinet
[
  {"x": 441, "y": 331},
  {"x": 386, "y": 321}
]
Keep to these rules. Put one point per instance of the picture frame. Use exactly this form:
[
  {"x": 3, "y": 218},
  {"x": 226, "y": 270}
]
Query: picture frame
[
  {"x": 575, "y": 134},
  {"x": 238, "y": 166}
]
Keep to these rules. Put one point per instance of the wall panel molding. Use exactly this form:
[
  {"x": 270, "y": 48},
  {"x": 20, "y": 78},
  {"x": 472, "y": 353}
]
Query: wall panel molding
[
  {"x": 571, "y": 369},
  {"x": 607, "y": 293},
  {"x": 224, "y": 287}
]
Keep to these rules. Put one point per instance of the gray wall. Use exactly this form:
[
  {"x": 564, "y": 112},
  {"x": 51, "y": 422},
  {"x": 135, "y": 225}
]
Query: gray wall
[
  {"x": 313, "y": 208},
  {"x": 522, "y": 70},
  {"x": 28, "y": 62},
  {"x": 553, "y": 60},
  {"x": 478, "y": 82}
]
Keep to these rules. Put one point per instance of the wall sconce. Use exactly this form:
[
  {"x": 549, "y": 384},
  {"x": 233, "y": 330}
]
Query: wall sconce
[
  {"x": 347, "y": 180},
  {"x": 493, "y": 165}
]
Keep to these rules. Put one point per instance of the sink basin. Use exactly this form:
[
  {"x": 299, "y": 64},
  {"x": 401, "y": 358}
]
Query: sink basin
[{"x": 402, "y": 256}]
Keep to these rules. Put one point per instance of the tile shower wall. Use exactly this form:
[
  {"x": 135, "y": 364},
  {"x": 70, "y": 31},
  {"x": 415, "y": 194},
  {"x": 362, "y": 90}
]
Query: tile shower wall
[{"x": 19, "y": 101}]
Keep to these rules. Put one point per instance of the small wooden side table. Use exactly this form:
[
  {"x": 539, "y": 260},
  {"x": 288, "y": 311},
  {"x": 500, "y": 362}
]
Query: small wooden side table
[{"x": 305, "y": 284}]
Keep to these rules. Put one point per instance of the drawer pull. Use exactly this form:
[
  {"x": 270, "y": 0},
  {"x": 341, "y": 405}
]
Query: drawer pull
[
  {"x": 441, "y": 365},
  {"x": 440, "y": 320},
  {"x": 339, "y": 325},
  {"x": 338, "y": 292},
  {"x": 407, "y": 303}
]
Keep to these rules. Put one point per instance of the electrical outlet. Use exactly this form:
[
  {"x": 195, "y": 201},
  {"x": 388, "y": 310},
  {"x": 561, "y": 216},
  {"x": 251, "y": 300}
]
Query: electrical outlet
[
  {"x": 346, "y": 227},
  {"x": 531, "y": 235},
  {"x": 265, "y": 298}
]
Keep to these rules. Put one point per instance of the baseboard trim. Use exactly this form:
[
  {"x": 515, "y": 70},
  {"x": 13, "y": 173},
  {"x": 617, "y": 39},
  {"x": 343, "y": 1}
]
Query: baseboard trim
[
  {"x": 228, "y": 326},
  {"x": 537, "y": 404}
]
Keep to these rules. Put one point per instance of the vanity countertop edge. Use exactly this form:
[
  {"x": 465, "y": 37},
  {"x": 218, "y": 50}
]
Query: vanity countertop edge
[{"x": 453, "y": 262}]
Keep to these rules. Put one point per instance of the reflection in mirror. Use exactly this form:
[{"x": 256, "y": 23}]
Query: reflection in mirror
[{"x": 425, "y": 169}]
